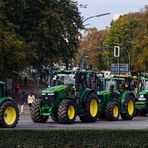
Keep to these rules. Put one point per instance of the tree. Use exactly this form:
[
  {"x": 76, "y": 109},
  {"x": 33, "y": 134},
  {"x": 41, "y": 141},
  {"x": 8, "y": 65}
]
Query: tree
[
  {"x": 37, "y": 32},
  {"x": 94, "y": 39},
  {"x": 49, "y": 27}
]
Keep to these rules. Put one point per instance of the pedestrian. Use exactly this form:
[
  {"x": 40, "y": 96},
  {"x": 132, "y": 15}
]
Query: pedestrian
[
  {"x": 30, "y": 99},
  {"x": 25, "y": 81},
  {"x": 22, "y": 99}
]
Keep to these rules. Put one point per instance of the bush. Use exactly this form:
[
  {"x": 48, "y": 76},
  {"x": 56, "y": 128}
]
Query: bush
[{"x": 73, "y": 138}]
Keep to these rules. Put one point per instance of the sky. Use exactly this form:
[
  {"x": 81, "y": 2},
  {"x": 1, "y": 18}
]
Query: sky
[{"x": 96, "y": 7}]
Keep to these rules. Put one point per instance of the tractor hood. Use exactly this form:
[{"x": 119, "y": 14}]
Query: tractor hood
[
  {"x": 54, "y": 89},
  {"x": 105, "y": 92},
  {"x": 143, "y": 92}
]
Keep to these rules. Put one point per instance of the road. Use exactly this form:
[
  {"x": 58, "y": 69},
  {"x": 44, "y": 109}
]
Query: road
[{"x": 25, "y": 122}]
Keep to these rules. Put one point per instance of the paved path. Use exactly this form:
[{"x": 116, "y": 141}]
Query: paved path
[{"x": 137, "y": 123}]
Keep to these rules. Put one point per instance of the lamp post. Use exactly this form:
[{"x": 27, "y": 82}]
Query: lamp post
[
  {"x": 95, "y": 50},
  {"x": 95, "y": 16}
]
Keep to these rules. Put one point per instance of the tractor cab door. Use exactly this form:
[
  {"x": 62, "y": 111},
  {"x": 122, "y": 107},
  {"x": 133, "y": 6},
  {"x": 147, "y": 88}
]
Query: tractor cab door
[{"x": 92, "y": 81}]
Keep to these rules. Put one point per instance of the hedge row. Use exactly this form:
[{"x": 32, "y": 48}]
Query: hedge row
[{"x": 40, "y": 138}]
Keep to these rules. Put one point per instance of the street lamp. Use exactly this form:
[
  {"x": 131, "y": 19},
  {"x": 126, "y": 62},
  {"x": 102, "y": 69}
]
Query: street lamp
[
  {"x": 95, "y": 16},
  {"x": 85, "y": 54}
]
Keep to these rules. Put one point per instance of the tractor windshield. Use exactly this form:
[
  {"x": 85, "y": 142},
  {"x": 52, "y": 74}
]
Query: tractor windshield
[
  {"x": 109, "y": 83},
  {"x": 146, "y": 85},
  {"x": 64, "y": 79}
]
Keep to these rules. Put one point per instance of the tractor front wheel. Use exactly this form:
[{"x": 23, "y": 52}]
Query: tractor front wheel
[
  {"x": 112, "y": 111},
  {"x": 9, "y": 114},
  {"x": 129, "y": 107},
  {"x": 91, "y": 107},
  {"x": 35, "y": 113},
  {"x": 67, "y": 111}
]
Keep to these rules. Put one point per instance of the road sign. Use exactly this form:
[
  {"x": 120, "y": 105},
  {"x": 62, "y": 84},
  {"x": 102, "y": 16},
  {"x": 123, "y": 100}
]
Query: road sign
[{"x": 119, "y": 68}]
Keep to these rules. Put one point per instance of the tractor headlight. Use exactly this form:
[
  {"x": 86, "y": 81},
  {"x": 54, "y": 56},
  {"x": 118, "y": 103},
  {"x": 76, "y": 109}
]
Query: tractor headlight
[
  {"x": 51, "y": 94},
  {"x": 43, "y": 94},
  {"x": 141, "y": 98}
]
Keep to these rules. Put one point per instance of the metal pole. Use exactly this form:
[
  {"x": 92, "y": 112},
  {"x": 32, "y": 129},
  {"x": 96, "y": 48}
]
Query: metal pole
[
  {"x": 129, "y": 58},
  {"x": 118, "y": 66},
  {"x": 95, "y": 16}
]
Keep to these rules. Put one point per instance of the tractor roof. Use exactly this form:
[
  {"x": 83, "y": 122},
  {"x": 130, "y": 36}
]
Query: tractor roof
[
  {"x": 71, "y": 71},
  {"x": 122, "y": 76},
  {"x": 112, "y": 78}
]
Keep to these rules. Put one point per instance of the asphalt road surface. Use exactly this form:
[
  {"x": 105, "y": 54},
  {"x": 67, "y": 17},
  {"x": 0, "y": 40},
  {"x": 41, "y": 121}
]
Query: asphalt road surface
[{"x": 25, "y": 122}]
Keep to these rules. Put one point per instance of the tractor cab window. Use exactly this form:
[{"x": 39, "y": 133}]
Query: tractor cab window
[
  {"x": 64, "y": 79},
  {"x": 109, "y": 84}
]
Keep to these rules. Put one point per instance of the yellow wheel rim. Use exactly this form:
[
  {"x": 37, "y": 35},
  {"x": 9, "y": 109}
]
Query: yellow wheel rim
[
  {"x": 115, "y": 111},
  {"x": 130, "y": 107},
  {"x": 9, "y": 115},
  {"x": 71, "y": 112},
  {"x": 93, "y": 107}
]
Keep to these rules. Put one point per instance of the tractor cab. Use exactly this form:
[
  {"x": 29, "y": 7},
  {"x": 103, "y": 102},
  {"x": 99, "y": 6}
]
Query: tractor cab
[
  {"x": 112, "y": 84},
  {"x": 75, "y": 80}
]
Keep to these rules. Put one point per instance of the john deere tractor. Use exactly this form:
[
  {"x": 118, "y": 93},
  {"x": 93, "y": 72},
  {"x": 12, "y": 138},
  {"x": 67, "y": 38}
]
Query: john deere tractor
[
  {"x": 116, "y": 99},
  {"x": 9, "y": 114},
  {"x": 72, "y": 93},
  {"x": 142, "y": 101}
]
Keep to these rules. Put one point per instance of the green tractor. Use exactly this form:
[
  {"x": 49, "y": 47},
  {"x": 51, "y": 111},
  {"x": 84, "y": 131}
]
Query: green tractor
[
  {"x": 142, "y": 102},
  {"x": 72, "y": 93},
  {"x": 116, "y": 99},
  {"x": 9, "y": 113}
]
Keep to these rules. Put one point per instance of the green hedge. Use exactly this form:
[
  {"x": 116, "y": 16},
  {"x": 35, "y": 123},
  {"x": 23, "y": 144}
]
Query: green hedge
[{"x": 60, "y": 138}]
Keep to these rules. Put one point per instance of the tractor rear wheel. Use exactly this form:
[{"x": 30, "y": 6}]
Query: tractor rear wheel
[
  {"x": 9, "y": 114},
  {"x": 112, "y": 111},
  {"x": 91, "y": 107},
  {"x": 67, "y": 111},
  {"x": 129, "y": 106},
  {"x": 35, "y": 113}
]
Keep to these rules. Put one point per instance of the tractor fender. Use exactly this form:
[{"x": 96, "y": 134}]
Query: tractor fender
[
  {"x": 125, "y": 95},
  {"x": 86, "y": 93},
  {"x": 3, "y": 100},
  {"x": 83, "y": 98}
]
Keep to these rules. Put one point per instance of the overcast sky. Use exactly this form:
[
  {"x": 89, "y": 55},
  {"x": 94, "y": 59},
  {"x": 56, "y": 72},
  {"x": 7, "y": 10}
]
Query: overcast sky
[{"x": 95, "y": 7}]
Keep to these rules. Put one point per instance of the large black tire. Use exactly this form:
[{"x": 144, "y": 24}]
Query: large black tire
[
  {"x": 112, "y": 111},
  {"x": 35, "y": 113},
  {"x": 129, "y": 111},
  {"x": 9, "y": 114},
  {"x": 90, "y": 116},
  {"x": 67, "y": 111}
]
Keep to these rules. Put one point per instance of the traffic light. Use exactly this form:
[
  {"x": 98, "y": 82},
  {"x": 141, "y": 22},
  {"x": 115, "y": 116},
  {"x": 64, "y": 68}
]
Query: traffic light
[{"x": 116, "y": 51}]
